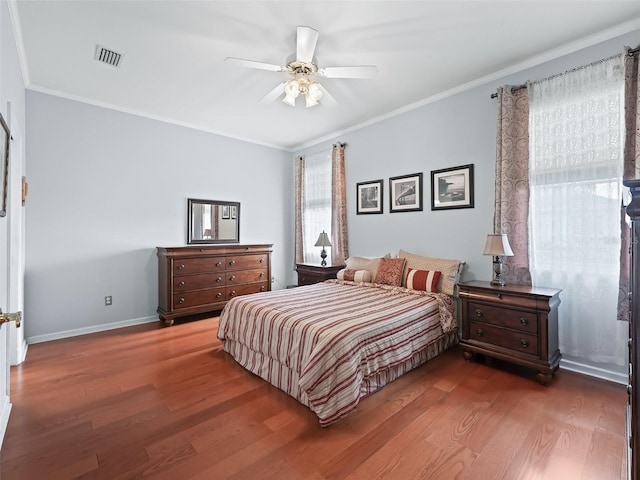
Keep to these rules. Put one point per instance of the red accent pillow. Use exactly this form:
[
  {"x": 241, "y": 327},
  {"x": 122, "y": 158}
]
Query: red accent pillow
[
  {"x": 423, "y": 280},
  {"x": 390, "y": 271}
]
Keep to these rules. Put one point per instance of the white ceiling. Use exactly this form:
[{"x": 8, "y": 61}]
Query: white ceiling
[{"x": 173, "y": 65}]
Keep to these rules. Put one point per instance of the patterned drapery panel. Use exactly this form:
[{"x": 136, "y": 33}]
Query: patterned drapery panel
[
  {"x": 340, "y": 241},
  {"x": 299, "y": 249},
  {"x": 631, "y": 165},
  {"x": 512, "y": 181}
]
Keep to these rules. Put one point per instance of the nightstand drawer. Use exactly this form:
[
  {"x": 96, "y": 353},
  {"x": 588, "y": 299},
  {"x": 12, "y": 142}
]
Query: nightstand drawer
[
  {"x": 504, "y": 317},
  {"x": 500, "y": 337}
]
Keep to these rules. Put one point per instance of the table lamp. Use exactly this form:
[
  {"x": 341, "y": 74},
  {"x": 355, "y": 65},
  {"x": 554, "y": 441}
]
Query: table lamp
[
  {"x": 498, "y": 246},
  {"x": 323, "y": 241}
]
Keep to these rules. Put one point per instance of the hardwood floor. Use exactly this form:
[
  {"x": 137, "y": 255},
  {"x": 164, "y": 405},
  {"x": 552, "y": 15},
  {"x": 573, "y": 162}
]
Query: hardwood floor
[{"x": 168, "y": 403}]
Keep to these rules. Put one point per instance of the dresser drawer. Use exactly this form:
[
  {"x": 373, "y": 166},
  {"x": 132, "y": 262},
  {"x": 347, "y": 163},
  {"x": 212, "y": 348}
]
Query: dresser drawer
[
  {"x": 246, "y": 276},
  {"x": 504, "y": 317},
  {"x": 500, "y": 337},
  {"x": 243, "y": 262},
  {"x": 185, "y": 283},
  {"x": 238, "y": 290},
  {"x": 198, "y": 297},
  {"x": 198, "y": 265}
]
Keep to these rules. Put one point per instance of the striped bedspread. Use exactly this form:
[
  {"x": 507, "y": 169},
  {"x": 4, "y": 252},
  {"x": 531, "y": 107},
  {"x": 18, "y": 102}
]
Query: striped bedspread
[{"x": 332, "y": 343}]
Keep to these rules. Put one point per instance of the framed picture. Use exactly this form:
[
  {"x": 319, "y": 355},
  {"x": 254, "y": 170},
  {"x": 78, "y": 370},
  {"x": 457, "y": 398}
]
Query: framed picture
[
  {"x": 452, "y": 188},
  {"x": 5, "y": 137},
  {"x": 369, "y": 195},
  {"x": 233, "y": 211},
  {"x": 225, "y": 212},
  {"x": 405, "y": 193}
]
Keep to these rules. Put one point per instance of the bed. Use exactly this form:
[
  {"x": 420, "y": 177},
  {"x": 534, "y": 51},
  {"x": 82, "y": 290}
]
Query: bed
[{"x": 331, "y": 344}]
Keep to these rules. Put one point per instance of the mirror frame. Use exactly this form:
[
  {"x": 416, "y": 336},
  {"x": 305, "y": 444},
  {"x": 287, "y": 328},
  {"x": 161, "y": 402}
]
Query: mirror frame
[{"x": 190, "y": 213}]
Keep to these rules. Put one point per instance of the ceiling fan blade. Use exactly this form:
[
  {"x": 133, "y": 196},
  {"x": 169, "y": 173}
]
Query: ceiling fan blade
[
  {"x": 241, "y": 62},
  {"x": 273, "y": 94},
  {"x": 327, "y": 99},
  {"x": 307, "y": 38},
  {"x": 364, "y": 71}
]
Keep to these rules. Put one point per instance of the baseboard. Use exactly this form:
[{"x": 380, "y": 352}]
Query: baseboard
[
  {"x": 4, "y": 418},
  {"x": 592, "y": 371},
  {"x": 92, "y": 329}
]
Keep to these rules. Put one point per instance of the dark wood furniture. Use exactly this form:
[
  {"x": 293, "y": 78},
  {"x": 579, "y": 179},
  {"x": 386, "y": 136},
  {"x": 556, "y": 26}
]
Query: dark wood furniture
[
  {"x": 310, "y": 274},
  {"x": 633, "y": 387},
  {"x": 515, "y": 323},
  {"x": 201, "y": 279}
]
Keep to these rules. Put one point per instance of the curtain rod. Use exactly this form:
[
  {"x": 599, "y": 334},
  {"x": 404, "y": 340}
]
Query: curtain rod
[{"x": 513, "y": 90}]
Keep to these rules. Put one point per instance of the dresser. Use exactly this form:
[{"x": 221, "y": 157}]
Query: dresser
[
  {"x": 201, "y": 279},
  {"x": 515, "y": 323},
  {"x": 309, "y": 274},
  {"x": 633, "y": 387}
]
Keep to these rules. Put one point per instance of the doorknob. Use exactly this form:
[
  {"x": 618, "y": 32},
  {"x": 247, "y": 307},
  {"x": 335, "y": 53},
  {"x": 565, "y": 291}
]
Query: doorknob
[{"x": 11, "y": 317}]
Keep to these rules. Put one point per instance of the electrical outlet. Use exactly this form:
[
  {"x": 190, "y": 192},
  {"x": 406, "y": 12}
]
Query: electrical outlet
[
  {"x": 273, "y": 279},
  {"x": 108, "y": 301}
]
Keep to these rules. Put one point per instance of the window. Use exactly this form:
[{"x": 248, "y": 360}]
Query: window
[{"x": 316, "y": 206}]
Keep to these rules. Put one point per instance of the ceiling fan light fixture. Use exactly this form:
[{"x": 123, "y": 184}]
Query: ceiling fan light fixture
[
  {"x": 289, "y": 100},
  {"x": 292, "y": 88}
]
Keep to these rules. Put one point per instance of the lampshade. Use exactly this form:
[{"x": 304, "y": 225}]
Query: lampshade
[
  {"x": 498, "y": 245},
  {"x": 323, "y": 240}
]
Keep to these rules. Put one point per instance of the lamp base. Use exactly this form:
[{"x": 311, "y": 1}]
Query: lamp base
[
  {"x": 323, "y": 255},
  {"x": 497, "y": 272}
]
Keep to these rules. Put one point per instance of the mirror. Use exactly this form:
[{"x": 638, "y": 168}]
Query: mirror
[{"x": 213, "y": 221}]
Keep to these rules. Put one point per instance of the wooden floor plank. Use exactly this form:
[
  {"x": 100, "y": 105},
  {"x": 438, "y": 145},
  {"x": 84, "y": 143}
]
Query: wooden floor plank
[{"x": 170, "y": 404}]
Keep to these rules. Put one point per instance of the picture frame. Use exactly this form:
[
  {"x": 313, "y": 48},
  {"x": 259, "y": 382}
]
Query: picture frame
[
  {"x": 226, "y": 212},
  {"x": 405, "y": 193},
  {"x": 452, "y": 188},
  {"x": 369, "y": 197},
  {"x": 5, "y": 138},
  {"x": 233, "y": 211}
]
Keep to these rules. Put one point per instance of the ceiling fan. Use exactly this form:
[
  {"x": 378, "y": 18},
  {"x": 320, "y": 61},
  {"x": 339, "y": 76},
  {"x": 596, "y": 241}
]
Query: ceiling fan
[{"x": 303, "y": 70}]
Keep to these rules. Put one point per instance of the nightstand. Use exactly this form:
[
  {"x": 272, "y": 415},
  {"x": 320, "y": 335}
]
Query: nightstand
[
  {"x": 310, "y": 274},
  {"x": 515, "y": 323}
]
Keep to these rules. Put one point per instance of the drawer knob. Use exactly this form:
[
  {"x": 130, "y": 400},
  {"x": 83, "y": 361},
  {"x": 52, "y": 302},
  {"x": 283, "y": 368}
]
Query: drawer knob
[
  {"x": 181, "y": 266},
  {"x": 218, "y": 264},
  {"x": 479, "y": 332},
  {"x": 500, "y": 296},
  {"x": 232, "y": 262},
  {"x": 524, "y": 343},
  {"x": 524, "y": 321},
  {"x": 262, "y": 289},
  {"x": 218, "y": 295},
  {"x": 181, "y": 284},
  {"x": 219, "y": 279},
  {"x": 181, "y": 300},
  {"x": 232, "y": 278},
  {"x": 261, "y": 274},
  {"x": 232, "y": 293},
  {"x": 479, "y": 313},
  {"x": 261, "y": 260}
]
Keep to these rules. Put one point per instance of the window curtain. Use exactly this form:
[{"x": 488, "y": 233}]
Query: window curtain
[
  {"x": 339, "y": 237},
  {"x": 313, "y": 204},
  {"x": 299, "y": 249},
  {"x": 631, "y": 170},
  {"x": 512, "y": 181},
  {"x": 576, "y": 139}
]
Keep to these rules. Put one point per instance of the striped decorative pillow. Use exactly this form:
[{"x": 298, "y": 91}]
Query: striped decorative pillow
[
  {"x": 423, "y": 280},
  {"x": 354, "y": 275}
]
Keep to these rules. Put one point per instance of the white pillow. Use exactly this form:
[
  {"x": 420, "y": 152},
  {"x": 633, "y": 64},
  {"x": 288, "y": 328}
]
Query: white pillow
[{"x": 363, "y": 263}]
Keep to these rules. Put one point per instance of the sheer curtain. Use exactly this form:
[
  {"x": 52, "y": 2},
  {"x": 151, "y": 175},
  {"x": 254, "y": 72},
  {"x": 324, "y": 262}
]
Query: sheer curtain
[
  {"x": 576, "y": 140},
  {"x": 314, "y": 176}
]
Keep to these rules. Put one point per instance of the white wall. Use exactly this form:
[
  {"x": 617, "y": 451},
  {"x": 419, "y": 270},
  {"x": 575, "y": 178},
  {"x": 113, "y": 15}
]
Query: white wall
[
  {"x": 106, "y": 188},
  {"x": 456, "y": 130}
]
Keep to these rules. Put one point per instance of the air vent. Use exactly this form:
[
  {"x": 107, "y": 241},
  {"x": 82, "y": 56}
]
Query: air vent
[{"x": 107, "y": 56}]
